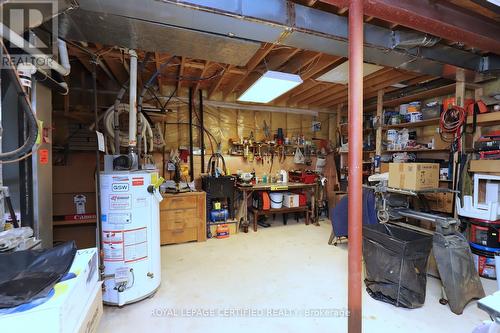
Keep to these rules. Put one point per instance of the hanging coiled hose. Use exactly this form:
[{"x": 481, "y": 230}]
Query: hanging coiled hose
[
  {"x": 26, "y": 149},
  {"x": 109, "y": 125},
  {"x": 451, "y": 123}
]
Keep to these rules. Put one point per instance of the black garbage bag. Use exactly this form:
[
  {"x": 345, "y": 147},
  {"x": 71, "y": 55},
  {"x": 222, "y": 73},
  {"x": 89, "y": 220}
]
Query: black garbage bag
[
  {"x": 396, "y": 264},
  {"x": 457, "y": 271},
  {"x": 31, "y": 274}
]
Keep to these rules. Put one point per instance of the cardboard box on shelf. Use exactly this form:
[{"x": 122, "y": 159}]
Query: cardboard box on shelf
[
  {"x": 485, "y": 166},
  {"x": 414, "y": 176},
  {"x": 64, "y": 204},
  {"x": 290, "y": 200},
  {"x": 76, "y": 176},
  {"x": 440, "y": 202}
]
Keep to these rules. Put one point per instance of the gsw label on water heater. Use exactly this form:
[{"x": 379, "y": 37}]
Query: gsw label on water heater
[{"x": 119, "y": 187}]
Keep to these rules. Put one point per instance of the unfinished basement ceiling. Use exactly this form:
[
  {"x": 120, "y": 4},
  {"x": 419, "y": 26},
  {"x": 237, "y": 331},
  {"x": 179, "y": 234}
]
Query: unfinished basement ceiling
[
  {"x": 234, "y": 26},
  {"x": 224, "y": 81}
]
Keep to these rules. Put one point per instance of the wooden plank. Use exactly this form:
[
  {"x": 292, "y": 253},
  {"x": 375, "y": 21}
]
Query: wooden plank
[
  {"x": 251, "y": 65},
  {"x": 203, "y": 73},
  {"x": 440, "y": 91},
  {"x": 422, "y": 123},
  {"x": 180, "y": 74},
  {"x": 380, "y": 121},
  {"x": 215, "y": 86}
]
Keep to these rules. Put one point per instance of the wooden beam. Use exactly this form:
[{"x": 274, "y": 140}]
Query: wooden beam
[
  {"x": 203, "y": 73},
  {"x": 218, "y": 82},
  {"x": 342, "y": 11},
  {"x": 157, "y": 66},
  {"x": 324, "y": 63},
  {"x": 251, "y": 65},
  {"x": 380, "y": 122},
  {"x": 180, "y": 73},
  {"x": 301, "y": 62},
  {"x": 275, "y": 62},
  {"x": 372, "y": 87},
  {"x": 328, "y": 93}
]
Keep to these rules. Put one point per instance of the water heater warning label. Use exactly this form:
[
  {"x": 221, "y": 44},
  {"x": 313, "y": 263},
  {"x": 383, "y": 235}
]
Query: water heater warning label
[
  {"x": 113, "y": 251},
  {"x": 120, "y": 201},
  {"x": 135, "y": 244}
]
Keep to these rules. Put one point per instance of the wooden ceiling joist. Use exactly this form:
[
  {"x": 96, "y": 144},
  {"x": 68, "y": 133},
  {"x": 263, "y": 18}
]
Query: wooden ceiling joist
[{"x": 251, "y": 65}]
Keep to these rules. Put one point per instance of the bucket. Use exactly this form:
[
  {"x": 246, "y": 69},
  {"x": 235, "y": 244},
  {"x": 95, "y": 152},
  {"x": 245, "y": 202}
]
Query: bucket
[
  {"x": 484, "y": 260},
  {"x": 276, "y": 199},
  {"x": 485, "y": 233}
]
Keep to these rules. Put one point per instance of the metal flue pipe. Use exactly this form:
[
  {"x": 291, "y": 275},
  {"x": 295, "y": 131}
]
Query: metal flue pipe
[
  {"x": 132, "y": 115},
  {"x": 355, "y": 119}
]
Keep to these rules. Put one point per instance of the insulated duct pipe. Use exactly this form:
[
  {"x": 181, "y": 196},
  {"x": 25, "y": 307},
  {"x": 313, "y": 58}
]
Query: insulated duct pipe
[
  {"x": 116, "y": 118},
  {"x": 132, "y": 115},
  {"x": 355, "y": 190},
  {"x": 20, "y": 42},
  {"x": 63, "y": 56}
]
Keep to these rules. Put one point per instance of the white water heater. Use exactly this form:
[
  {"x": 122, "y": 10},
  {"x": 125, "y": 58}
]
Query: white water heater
[{"x": 130, "y": 235}]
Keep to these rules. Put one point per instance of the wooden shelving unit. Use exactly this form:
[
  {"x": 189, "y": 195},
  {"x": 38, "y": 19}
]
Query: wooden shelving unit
[
  {"x": 485, "y": 119},
  {"x": 415, "y": 150},
  {"x": 422, "y": 123}
]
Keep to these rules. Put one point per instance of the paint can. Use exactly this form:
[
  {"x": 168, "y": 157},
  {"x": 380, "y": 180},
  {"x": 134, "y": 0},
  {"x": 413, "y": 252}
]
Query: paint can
[
  {"x": 485, "y": 233},
  {"x": 485, "y": 260}
]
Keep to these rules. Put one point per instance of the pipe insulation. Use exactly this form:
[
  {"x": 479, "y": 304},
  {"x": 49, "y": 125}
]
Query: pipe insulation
[
  {"x": 63, "y": 55},
  {"x": 112, "y": 129},
  {"x": 32, "y": 120},
  {"x": 132, "y": 116}
]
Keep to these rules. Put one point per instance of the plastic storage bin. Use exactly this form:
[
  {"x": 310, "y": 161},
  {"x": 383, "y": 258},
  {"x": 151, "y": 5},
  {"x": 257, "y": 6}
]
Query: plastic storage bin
[{"x": 396, "y": 264}]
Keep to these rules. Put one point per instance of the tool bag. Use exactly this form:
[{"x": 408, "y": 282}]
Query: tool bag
[{"x": 261, "y": 200}]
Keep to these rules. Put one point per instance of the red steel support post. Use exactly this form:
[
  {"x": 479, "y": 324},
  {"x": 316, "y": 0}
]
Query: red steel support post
[{"x": 355, "y": 120}]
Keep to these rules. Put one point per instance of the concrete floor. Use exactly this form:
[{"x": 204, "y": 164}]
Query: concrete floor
[{"x": 282, "y": 273}]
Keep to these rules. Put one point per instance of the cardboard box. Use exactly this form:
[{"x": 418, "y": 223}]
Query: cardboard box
[
  {"x": 78, "y": 175},
  {"x": 64, "y": 204},
  {"x": 414, "y": 176},
  {"x": 94, "y": 312},
  {"x": 384, "y": 167},
  {"x": 485, "y": 166},
  {"x": 233, "y": 227},
  {"x": 73, "y": 299},
  {"x": 290, "y": 200},
  {"x": 440, "y": 202},
  {"x": 83, "y": 234}
]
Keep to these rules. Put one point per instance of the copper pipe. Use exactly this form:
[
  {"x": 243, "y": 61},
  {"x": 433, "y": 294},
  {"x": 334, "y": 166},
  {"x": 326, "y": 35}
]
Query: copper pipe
[{"x": 355, "y": 120}]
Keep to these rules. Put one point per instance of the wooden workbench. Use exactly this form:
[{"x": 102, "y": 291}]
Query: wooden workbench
[{"x": 247, "y": 192}]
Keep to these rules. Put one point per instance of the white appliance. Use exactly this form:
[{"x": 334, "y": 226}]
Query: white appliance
[
  {"x": 71, "y": 308},
  {"x": 130, "y": 235}
]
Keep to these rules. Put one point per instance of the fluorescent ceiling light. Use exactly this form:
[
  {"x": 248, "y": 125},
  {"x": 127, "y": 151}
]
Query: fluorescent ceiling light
[
  {"x": 270, "y": 86},
  {"x": 399, "y": 85},
  {"x": 495, "y": 2},
  {"x": 340, "y": 74}
]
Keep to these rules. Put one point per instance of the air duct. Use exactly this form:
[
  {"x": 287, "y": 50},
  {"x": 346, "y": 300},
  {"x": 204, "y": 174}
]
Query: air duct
[{"x": 410, "y": 39}]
